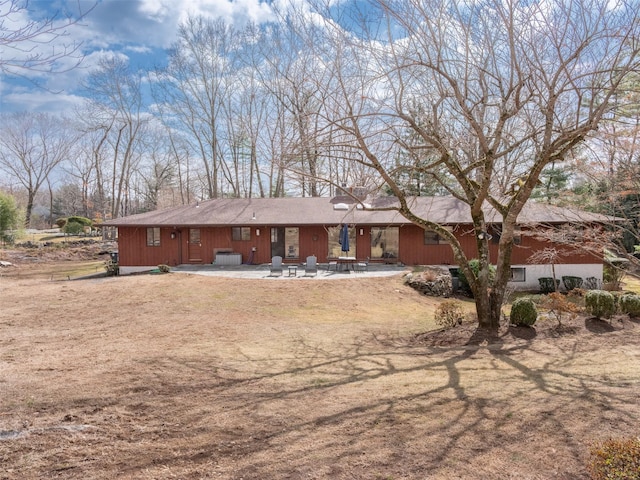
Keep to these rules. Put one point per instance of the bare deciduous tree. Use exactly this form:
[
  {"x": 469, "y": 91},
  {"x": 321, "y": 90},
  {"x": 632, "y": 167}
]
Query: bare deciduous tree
[
  {"x": 192, "y": 91},
  {"x": 480, "y": 85},
  {"x": 117, "y": 114},
  {"x": 291, "y": 71},
  {"x": 37, "y": 45},
  {"x": 32, "y": 145}
]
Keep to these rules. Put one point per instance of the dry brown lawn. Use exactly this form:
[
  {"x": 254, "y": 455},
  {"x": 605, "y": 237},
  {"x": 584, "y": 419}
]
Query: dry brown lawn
[{"x": 191, "y": 377}]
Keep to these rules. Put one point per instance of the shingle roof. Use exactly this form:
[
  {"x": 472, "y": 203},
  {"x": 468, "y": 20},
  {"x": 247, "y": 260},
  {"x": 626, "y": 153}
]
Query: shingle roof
[{"x": 336, "y": 210}]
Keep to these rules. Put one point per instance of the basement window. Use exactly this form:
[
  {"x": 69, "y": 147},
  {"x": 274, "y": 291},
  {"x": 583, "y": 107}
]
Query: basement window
[
  {"x": 153, "y": 237},
  {"x": 518, "y": 274}
]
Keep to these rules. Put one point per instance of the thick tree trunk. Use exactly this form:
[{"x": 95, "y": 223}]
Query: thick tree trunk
[
  {"x": 495, "y": 308},
  {"x": 488, "y": 309}
]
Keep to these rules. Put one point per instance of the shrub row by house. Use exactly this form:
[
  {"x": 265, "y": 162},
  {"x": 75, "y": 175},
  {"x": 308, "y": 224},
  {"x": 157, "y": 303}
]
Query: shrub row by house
[
  {"x": 598, "y": 303},
  {"x": 603, "y": 304},
  {"x": 548, "y": 284}
]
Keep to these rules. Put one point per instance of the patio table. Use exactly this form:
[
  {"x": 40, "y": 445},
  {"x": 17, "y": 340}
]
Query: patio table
[{"x": 346, "y": 262}]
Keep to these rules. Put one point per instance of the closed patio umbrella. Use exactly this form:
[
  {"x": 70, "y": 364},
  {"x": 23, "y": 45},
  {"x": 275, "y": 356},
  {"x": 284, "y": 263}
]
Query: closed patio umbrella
[{"x": 344, "y": 238}]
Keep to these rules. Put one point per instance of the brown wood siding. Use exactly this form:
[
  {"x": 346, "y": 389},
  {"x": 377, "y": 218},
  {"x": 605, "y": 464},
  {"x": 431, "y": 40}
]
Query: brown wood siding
[
  {"x": 413, "y": 251},
  {"x": 569, "y": 255},
  {"x": 313, "y": 240},
  {"x": 220, "y": 238},
  {"x": 133, "y": 249}
]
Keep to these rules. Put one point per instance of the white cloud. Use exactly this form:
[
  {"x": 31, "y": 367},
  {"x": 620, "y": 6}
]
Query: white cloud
[
  {"x": 38, "y": 100},
  {"x": 138, "y": 29},
  {"x": 138, "y": 49},
  {"x": 155, "y": 22}
]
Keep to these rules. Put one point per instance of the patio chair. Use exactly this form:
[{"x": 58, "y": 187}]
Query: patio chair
[
  {"x": 276, "y": 265},
  {"x": 311, "y": 266},
  {"x": 333, "y": 265},
  {"x": 362, "y": 266}
]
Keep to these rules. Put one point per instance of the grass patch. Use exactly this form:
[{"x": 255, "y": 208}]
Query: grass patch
[
  {"x": 631, "y": 283},
  {"x": 81, "y": 269}
]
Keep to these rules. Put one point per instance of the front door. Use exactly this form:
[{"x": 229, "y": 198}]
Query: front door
[{"x": 195, "y": 246}]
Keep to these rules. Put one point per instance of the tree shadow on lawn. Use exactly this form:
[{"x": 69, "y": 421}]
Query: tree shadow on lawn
[
  {"x": 523, "y": 333},
  {"x": 401, "y": 411},
  {"x": 362, "y": 408},
  {"x": 598, "y": 325}
]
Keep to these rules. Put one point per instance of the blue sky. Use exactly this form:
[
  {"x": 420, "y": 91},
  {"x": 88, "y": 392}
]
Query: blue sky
[{"x": 141, "y": 30}]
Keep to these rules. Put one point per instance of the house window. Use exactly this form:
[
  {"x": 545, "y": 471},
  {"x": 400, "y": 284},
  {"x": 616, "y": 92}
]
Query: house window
[
  {"x": 285, "y": 242},
  {"x": 496, "y": 232},
  {"x": 517, "y": 237},
  {"x": 153, "y": 237},
  {"x": 385, "y": 242},
  {"x": 291, "y": 242},
  {"x": 518, "y": 274},
  {"x": 241, "y": 233},
  {"x": 432, "y": 238}
]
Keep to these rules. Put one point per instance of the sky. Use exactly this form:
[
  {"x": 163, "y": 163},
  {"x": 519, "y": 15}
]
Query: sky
[{"x": 141, "y": 30}]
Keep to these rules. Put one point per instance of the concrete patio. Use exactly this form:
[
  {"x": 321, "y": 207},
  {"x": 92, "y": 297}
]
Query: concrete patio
[{"x": 263, "y": 271}]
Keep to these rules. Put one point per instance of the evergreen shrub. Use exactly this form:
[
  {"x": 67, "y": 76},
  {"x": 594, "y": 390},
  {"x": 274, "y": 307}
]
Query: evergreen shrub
[
  {"x": 630, "y": 304},
  {"x": 592, "y": 283},
  {"x": 547, "y": 285},
  {"x": 523, "y": 312},
  {"x": 600, "y": 304},
  {"x": 75, "y": 225},
  {"x": 474, "y": 265},
  {"x": 571, "y": 282}
]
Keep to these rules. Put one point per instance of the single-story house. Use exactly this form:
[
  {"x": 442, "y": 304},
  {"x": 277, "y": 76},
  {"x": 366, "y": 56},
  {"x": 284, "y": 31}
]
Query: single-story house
[{"x": 231, "y": 231}]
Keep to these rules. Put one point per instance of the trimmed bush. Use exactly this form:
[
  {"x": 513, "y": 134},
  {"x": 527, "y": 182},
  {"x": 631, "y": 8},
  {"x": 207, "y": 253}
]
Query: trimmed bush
[
  {"x": 571, "y": 282},
  {"x": 600, "y": 304},
  {"x": 76, "y": 225},
  {"x": 449, "y": 314},
  {"x": 523, "y": 312},
  {"x": 84, "y": 221},
  {"x": 592, "y": 283},
  {"x": 630, "y": 304},
  {"x": 73, "y": 228},
  {"x": 474, "y": 265},
  {"x": 615, "y": 460},
  {"x": 547, "y": 285}
]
